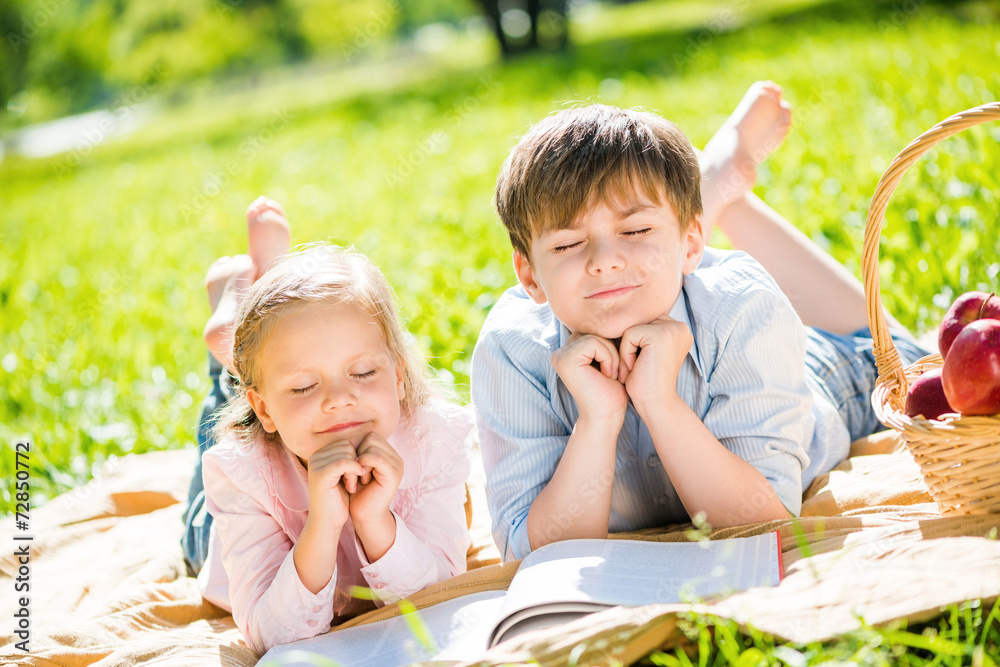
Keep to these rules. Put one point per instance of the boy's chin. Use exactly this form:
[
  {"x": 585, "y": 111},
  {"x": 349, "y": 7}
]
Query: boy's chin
[{"x": 610, "y": 331}]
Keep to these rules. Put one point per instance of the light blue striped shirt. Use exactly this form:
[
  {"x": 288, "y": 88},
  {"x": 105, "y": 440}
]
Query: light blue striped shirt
[{"x": 745, "y": 377}]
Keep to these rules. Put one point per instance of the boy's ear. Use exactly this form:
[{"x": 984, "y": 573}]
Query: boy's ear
[
  {"x": 694, "y": 246},
  {"x": 260, "y": 409},
  {"x": 526, "y": 276}
]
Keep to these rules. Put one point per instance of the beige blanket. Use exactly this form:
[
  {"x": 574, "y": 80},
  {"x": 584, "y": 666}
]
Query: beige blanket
[{"x": 108, "y": 585}]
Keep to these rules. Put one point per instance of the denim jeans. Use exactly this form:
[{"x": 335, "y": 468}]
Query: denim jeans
[
  {"x": 844, "y": 366},
  {"x": 197, "y": 520}
]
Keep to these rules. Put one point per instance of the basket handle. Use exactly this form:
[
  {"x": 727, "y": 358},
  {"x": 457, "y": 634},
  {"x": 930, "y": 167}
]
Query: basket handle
[{"x": 886, "y": 356}]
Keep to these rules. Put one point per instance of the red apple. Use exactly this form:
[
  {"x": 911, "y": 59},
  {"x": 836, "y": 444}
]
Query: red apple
[
  {"x": 926, "y": 396},
  {"x": 971, "y": 373},
  {"x": 967, "y": 308}
]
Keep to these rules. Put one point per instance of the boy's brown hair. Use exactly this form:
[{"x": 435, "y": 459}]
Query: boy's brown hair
[{"x": 598, "y": 153}]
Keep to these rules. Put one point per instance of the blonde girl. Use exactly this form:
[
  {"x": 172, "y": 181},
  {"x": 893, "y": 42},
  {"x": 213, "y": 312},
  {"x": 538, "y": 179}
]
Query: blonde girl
[{"x": 337, "y": 464}]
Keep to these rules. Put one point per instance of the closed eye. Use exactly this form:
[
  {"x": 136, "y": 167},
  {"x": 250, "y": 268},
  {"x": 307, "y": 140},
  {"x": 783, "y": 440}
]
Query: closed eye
[
  {"x": 566, "y": 246},
  {"x": 365, "y": 376},
  {"x": 303, "y": 390},
  {"x": 638, "y": 232}
]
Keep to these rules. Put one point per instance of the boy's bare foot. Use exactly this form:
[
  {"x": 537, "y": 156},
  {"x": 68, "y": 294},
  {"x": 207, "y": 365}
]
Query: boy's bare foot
[
  {"x": 268, "y": 233},
  {"x": 227, "y": 279},
  {"x": 757, "y": 126}
]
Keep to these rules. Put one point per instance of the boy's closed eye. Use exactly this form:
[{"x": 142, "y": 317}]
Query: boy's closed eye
[
  {"x": 638, "y": 232},
  {"x": 632, "y": 233},
  {"x": 566, "y": 246}
]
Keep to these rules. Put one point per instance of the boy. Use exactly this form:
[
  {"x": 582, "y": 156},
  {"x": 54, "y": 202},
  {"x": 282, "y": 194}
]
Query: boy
[{"x": 636, "y": 378}]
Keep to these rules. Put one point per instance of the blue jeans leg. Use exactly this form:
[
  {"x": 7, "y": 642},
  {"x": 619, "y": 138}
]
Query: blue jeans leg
[
  {"x": 844, "y": 366},
  {"x": 197, "y": 520}
]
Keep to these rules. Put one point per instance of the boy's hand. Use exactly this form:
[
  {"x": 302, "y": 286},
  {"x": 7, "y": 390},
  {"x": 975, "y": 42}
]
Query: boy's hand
[
  {"x": 382, "y": 470},
  {"x": 652, "y": 355},
  {"x": 333, "y": 472},
  {"x": 598, "y": 391}
]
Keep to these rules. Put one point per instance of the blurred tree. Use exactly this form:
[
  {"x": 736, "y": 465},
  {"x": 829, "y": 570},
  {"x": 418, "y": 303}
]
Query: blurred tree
[
  {"x": 415, "y": 14},
  {"x": 526, "y": 25},
  {"x": 14, "y": 48}
]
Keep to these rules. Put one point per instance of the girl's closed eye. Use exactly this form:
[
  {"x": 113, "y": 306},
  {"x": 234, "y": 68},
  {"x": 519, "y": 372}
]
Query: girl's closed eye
[
  {"x": 302, "y": 390},
  {"x": 366, "y": 375}
]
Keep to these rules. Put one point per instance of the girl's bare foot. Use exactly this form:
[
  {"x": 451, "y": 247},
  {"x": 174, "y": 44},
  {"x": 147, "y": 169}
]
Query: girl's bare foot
[
  {"x": 227, "y": 279},
  {"x": 215, "y": 280},
  {"x": 757, "y": 126},
  {"x": 268, "y": 233}
]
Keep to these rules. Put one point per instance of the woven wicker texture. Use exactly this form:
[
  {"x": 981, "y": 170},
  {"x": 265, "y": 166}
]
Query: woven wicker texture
[{"x": 959, "y": 456}]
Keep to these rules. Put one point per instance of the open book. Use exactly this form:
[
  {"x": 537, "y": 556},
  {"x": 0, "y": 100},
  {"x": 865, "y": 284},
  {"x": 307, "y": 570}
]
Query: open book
[{"x": 555, "y": 584}]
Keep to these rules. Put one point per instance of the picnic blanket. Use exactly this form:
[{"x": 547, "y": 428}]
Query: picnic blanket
[{"x": 108, "y": 583}]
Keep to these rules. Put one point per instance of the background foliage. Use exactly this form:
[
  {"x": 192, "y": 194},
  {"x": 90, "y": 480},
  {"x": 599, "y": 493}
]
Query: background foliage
[{"x": 103, "y": 248}]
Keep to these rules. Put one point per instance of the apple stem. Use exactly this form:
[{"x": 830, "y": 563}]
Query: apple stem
[{"x": 982, "y": 306}]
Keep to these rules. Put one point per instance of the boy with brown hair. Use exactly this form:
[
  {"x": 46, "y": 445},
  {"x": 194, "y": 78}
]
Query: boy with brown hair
[{"x": 636, "y": 378}]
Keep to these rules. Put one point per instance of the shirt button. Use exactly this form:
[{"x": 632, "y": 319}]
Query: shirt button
[
  {"x": 662, "y": 500},
  {"x": 312, "y": 624},
  {"x": 653, "y": 461},
  {"x": 317, "y": 610},
  {"x": 380, "y": 586}
]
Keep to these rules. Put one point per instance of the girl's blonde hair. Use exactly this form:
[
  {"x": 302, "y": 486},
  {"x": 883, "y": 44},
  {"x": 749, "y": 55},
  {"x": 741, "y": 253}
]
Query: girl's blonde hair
[{"x": 315, "y": 273}]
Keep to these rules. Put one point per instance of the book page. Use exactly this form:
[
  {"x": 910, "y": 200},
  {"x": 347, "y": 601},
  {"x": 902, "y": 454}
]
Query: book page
[
  {"x": 608, "y": 573},
  {"x": 460, "y": 627}
]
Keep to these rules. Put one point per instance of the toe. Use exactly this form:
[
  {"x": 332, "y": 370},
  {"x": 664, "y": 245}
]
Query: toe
[
  {"x": 255, "y": 206},
  {"x": 271, "y": 204}
]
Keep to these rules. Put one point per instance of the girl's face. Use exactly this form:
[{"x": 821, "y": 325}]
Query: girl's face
[{"x": 327, "y": 376}]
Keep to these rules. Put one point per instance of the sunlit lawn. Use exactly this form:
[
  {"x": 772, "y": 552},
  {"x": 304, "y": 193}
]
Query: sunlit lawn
[{"x": 103, "y": 251}]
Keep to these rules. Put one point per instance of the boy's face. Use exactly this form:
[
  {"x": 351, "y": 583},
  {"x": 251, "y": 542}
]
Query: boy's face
[{"x": 617, "y": 266}]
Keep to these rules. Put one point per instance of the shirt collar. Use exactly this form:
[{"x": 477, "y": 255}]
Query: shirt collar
[{"x": 680, "y": 311}]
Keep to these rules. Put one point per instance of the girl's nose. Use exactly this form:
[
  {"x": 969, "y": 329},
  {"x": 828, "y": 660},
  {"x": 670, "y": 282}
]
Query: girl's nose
[{"x": 339, "y": 395}]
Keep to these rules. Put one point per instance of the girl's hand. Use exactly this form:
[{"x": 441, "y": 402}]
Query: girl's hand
[
  {"x": 333, "y": 474},
  {"x": 382, "y": 470}
]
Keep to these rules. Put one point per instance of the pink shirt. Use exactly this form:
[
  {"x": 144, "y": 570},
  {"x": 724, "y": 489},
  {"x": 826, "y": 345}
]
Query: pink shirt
[{"x": 259, "y": 498}]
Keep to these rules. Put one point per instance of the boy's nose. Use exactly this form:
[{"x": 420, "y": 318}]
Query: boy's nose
[{"x": 604, "y": 256}]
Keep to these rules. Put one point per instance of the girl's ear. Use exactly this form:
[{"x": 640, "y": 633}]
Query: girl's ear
[
  {"x": 260, "y": 409},
  {"x": 693, "y": 241},
  {"x": 400, "y": 375}
]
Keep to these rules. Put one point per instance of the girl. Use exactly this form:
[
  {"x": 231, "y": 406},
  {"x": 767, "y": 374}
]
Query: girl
[{"x": 337, "y": 465}]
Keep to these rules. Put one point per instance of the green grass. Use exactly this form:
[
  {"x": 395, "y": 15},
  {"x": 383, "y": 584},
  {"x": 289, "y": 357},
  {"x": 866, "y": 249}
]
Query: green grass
[
  {"x": 102, "y": 251},
  {"x": 967, "y": 634}
]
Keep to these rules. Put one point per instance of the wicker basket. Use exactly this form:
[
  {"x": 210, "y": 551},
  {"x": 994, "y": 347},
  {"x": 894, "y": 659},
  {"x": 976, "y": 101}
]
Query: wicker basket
[{"x": 959, "y": 457}]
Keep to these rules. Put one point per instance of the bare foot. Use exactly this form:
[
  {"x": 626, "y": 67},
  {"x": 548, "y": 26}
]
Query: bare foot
[
  {"x": 228, "y": 278},
  {"x": 754, "y": 130},
  {"x": 268, "y": 233},
  {"x": 215, "y": 280}
]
